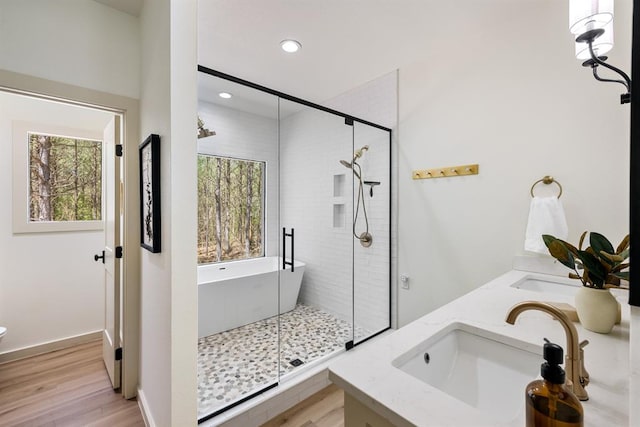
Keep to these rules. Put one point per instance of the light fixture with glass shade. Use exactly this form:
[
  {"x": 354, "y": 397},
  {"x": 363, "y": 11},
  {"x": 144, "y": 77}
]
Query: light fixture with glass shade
[
  {"x": 601, "y": 45},
  {"x": 585, "y": 15},
  {"x": 591, "y": 22}
]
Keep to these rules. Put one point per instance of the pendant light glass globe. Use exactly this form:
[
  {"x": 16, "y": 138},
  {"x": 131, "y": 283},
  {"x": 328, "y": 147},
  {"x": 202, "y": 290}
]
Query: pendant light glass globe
[
  {"x": 585, "y": 15},
  {"x": 601, "y": 45}
]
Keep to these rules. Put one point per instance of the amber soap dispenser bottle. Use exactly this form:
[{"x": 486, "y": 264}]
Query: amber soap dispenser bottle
[{"x": 549, "y": 402}]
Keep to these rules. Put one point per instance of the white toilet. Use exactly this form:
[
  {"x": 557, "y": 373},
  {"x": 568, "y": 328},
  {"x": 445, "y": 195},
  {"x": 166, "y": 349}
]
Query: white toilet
[{"x": 3, "y": 331}]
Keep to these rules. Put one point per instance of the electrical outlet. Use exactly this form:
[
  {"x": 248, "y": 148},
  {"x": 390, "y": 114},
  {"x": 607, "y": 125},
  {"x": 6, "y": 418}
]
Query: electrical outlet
[{"x": 404, "y": 281}]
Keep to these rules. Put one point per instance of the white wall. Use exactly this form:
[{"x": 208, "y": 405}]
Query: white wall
[
  {"x": 514, "y": 100},
  {"x": 78, "y": 42},
  {"x": 40, "y": 301},
  {"x": 155, "y": 269},
  {"x": 60, "y": 45},
  {"x": 169, "y": 295},
  {"x": 375, "y": 101}
]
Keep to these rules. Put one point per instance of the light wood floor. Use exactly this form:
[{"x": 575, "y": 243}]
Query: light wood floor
[
  {"x": 323, "y": 409},
  {"x": 67, "y": 388},
  {"x": 70, "y": 388}
]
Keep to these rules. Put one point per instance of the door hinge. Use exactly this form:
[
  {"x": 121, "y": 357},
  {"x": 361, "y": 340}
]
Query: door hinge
[
  {"x": 119, "y": 353},
  {"x": 349, "y": 345},
  {"x": 118, "y": 150},
  {"x": 118, "y": 251},
  {"x": 348, "y": 121}
]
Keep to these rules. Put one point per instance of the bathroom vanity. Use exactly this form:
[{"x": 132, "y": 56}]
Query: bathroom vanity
[{"x": 464, "y": 365}]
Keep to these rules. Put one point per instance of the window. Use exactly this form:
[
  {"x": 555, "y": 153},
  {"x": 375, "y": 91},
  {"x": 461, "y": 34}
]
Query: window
[
  {"x": 57, "y": 179},
  {"x": 65, "y": 178},
  {"x": 230, "y": 209}
]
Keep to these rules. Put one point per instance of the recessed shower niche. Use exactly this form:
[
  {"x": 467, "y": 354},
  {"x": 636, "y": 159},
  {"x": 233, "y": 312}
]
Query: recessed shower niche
[
  {"x": 338, "y": 215},
  {"x": 339, "y": 181},
  {"x": 286, "y": 282}
]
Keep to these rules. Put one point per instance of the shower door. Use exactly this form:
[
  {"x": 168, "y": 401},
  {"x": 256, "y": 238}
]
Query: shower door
[
  {"x": 316, "y": 191},
  {"x": 372, "y": 260},
  {"x": 293, "y": 237},
  {"x": 238, "y": 236}
]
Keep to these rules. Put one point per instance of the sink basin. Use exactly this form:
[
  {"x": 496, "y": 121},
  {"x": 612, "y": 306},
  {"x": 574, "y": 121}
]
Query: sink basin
[
  {"x": 547, "y": 286},
  {"x": 485, "y": 370}
]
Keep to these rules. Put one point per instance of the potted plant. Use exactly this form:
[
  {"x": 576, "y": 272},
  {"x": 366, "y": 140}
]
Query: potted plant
[{"x": 602, "y": 268}]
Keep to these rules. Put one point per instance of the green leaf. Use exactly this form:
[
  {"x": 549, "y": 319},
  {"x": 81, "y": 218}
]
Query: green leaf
[
  {"x": 570, "y": 247},
  {"x": 624, "y": 244},
  {"x": 622, "y": 275},
  {"x": 624, "y": 254},
  {"x": 548, "y": 239},
  {"x": 596, "y": 271},
  {"x": 582, "y": 240},
  {"x": 562, "y": 254},
  {"x": 620, "y": 267},
  {"x": 612, "y": 257},
  {"x": 600, "y": 243}
]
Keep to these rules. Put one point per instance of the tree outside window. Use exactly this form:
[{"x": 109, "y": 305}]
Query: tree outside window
[
  {"x": 230, "y": 209},
  {"x": 65, "y": 178}
]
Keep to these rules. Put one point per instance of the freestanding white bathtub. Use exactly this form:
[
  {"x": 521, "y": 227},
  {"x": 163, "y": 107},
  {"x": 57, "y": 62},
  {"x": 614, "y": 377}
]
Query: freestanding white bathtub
[{"x": 236, "y": 293}]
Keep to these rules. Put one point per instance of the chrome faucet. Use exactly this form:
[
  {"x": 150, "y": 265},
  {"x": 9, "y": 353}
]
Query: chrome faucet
[{"x": 577, "y": 376}]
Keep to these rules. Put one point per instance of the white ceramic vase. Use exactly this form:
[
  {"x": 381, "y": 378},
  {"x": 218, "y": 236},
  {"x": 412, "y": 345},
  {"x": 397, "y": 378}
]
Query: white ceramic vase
[{"x": 597, "y": 309}]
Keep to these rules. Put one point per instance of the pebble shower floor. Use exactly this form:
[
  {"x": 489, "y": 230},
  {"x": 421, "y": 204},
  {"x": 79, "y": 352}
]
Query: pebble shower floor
[{"x": 238, "y": 362}]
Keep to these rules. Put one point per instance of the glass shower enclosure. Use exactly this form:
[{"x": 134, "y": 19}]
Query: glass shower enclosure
[{"x": 294, "y": 242}]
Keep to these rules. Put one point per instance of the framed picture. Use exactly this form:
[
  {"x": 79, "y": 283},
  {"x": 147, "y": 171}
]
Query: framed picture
[{"x": 150, "y": 237}]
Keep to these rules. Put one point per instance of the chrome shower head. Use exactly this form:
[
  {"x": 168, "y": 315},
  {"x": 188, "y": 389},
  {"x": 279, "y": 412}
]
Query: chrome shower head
[
  {"x": 350, "y": 166},
  {"x": 359, "y": 152}
]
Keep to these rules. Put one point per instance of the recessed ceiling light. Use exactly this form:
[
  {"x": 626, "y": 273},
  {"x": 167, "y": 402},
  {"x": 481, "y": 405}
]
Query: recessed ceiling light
[
  {"x": 290, "y": 46},
  {"x": 225, "y": 95}
]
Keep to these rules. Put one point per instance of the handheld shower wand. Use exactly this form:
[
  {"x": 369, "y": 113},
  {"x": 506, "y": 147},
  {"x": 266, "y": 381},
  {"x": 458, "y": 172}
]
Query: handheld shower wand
[
  {"x": 365, "y": 238},
  {"x": 359, "y": 152}
]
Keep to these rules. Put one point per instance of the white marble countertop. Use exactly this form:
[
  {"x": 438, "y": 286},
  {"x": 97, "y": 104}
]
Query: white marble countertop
[{"x": 368, "y": 375}]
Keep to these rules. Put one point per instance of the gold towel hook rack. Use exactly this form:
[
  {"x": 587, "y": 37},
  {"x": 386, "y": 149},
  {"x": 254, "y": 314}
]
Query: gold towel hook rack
[{"x": 548, "y": 179}]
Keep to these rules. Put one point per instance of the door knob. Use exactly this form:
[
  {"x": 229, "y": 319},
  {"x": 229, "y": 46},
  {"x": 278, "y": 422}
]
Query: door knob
[{"x": 97, "y": 257}]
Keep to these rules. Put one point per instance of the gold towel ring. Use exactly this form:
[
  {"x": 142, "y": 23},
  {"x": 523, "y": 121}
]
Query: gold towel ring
[{"x": 548, "y": 179}]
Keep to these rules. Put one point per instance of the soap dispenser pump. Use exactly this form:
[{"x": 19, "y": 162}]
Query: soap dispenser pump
[{"x": 549, "y": 402}]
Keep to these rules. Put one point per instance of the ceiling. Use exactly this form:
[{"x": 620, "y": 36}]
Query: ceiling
[{"x": 345, "y": 43}]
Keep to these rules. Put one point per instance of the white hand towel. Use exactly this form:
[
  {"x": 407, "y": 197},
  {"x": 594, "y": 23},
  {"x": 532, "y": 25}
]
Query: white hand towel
[{"x": 546, "y": 216}]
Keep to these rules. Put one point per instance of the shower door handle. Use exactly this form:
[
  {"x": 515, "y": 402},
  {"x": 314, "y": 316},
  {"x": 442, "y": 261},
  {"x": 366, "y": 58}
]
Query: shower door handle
[{"x": 285, "y": 263}]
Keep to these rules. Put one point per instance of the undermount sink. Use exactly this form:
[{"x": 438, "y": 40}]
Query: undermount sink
[
  {"x": 548, "y": 286},
  {"x": 485, "y": 370}
]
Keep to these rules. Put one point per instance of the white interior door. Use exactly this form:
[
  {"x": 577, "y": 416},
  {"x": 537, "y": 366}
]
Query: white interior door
[{"x": 112, "y": 264}]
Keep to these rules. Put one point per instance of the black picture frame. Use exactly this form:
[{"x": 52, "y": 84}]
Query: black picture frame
[{"x": 150, "y": 219}]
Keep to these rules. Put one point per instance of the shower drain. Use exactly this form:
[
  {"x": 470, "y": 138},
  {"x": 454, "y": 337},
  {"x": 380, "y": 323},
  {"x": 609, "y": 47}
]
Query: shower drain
[{"x": 296, "y": 362}]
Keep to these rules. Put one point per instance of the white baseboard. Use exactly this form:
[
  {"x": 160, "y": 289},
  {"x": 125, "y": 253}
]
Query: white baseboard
[
  {"x": 143, "y": 405},
  {"x": 49, "y": 346}
]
